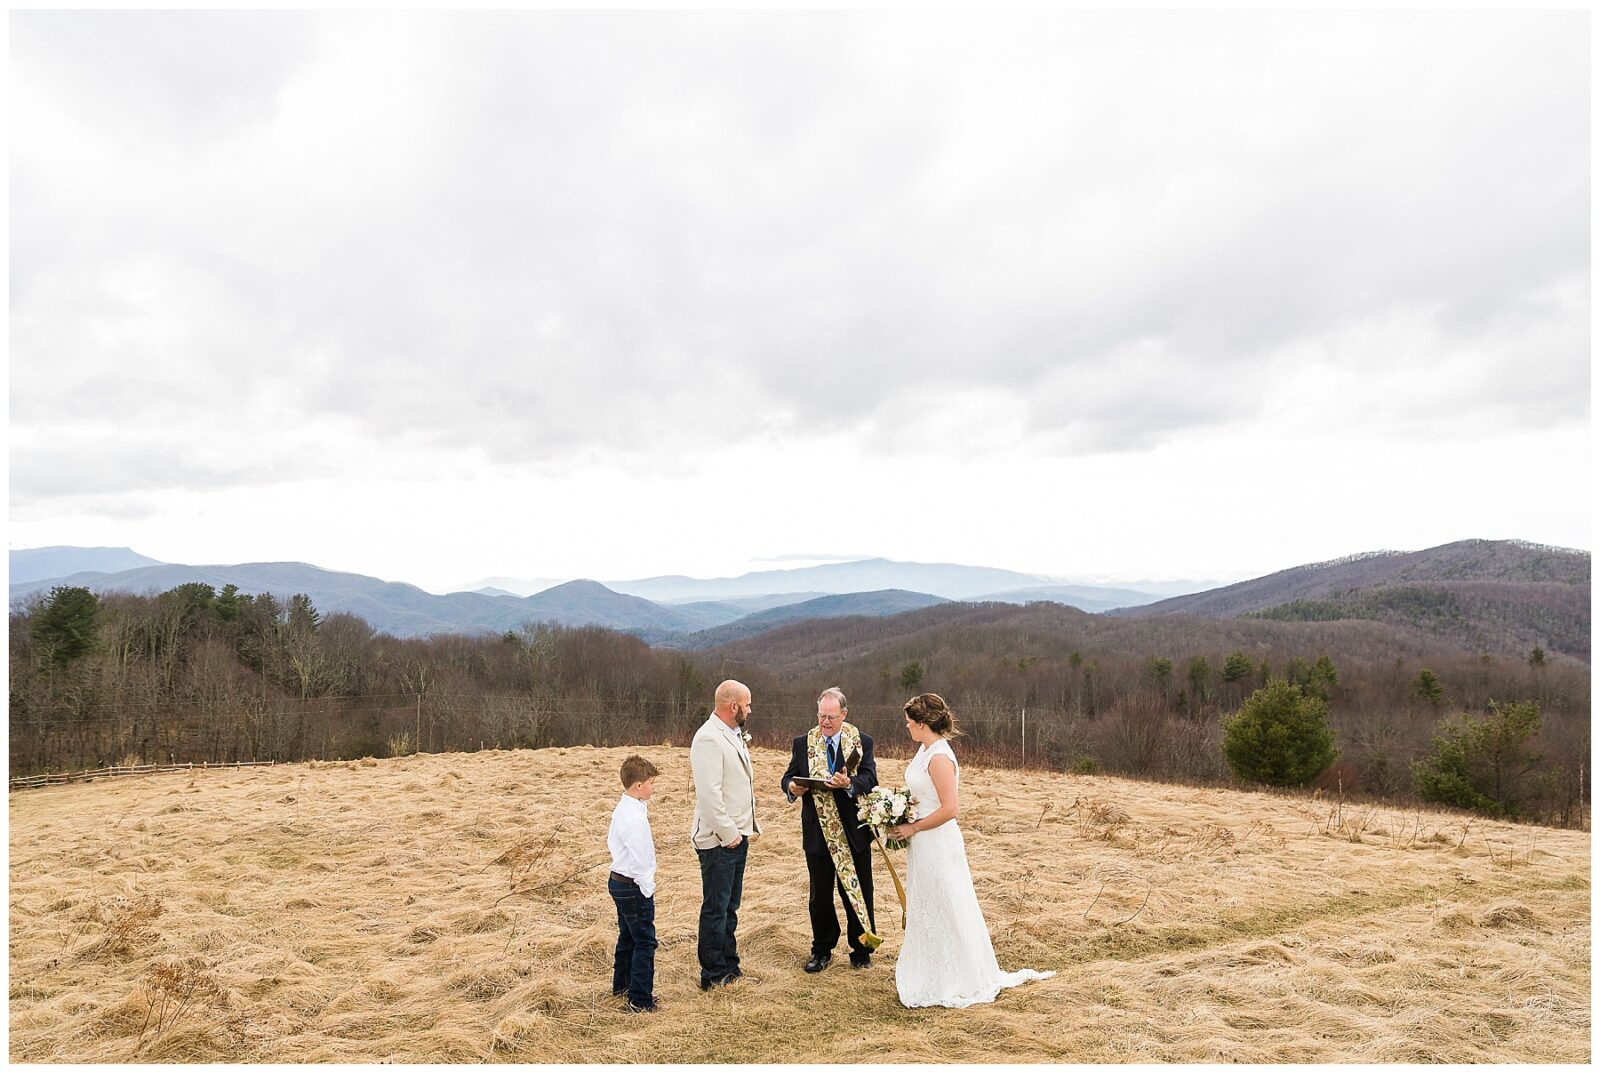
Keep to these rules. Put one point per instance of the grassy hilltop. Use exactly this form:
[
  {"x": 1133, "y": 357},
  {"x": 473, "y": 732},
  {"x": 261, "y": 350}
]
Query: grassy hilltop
[{"x": 359, "y": 911}]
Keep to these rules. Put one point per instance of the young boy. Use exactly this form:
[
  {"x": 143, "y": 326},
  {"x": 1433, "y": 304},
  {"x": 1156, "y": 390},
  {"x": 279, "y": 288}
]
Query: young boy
[{"x": 633, "y": 887}]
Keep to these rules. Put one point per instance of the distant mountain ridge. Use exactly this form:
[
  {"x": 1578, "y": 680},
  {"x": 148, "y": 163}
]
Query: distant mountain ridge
[
  {"x": 1478, "y": 593},
  {"x": 1083, "y": 597},
  {"x": 1464, "y": 560},
  {"x": 398, "y": 608},
  {"x": 516, "y": 586},
  {"x": 394, "y": 607},
  {"x": 837, "y": 605},
  {"x": 408, "y": 611},
  {"x": 40, "y": 564},
  {"x": 949, "y": 580}
]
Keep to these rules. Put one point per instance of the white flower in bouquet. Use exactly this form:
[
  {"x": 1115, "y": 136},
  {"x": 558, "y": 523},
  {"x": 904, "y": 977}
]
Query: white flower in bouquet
[{"x": 883, "y": 808}]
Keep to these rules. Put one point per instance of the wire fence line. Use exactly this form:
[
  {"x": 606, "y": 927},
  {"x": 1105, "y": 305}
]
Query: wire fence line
[
  {"x": 348, "y": 728},
  {"x": 25, "y": 782}
]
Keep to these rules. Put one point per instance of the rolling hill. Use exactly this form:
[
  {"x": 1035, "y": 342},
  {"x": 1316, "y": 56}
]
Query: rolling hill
[
  {"x": 858, "y": 646},
  {"x": 869, "y": 604},
  {"x": 589, "y": 603},
  {"x": 1499, "y": 595}
]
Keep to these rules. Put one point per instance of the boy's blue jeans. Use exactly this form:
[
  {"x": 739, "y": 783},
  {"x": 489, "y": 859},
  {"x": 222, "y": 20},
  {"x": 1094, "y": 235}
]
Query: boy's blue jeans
[{"x": 634, "y": 969}]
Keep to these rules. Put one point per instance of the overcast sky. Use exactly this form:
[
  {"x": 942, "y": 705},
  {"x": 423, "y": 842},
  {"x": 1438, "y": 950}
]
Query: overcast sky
[{"x": 1130, "y": 296}]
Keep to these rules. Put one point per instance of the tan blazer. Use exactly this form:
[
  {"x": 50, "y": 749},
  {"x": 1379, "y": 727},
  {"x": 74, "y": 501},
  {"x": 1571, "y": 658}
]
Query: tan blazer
[{"x": 724, "y": 787}]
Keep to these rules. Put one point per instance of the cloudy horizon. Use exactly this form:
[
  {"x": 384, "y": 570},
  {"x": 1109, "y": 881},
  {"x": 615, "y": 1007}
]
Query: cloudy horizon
[{"x": 1147, "y": 295}]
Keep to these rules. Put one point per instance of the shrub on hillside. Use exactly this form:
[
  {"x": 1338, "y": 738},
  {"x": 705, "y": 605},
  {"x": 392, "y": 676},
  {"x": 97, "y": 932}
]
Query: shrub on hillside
[
  {"x": 65, "y": 625},
  {"x": 1482, "y": 764},
  {"x": 1426, "y": 685},
  {"x": 1133, "y": 733},
  {"x": 1279, "y": 737}
]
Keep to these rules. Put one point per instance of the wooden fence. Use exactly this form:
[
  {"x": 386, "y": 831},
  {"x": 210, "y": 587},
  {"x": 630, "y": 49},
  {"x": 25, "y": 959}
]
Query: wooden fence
[{"x": 27, "y": 782}]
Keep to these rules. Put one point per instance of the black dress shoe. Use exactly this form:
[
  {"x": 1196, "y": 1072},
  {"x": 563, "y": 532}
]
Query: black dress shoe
[
  {"x": 861, "y": 961},
  {"x": 818, "y": 962}
]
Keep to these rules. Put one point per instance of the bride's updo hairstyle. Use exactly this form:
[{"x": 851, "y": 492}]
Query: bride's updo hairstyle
[{"x": 931, "y": 711}]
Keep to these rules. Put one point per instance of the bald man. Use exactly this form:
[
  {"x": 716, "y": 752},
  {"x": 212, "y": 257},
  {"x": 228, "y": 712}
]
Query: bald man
[{"x": 724, "y": 823}]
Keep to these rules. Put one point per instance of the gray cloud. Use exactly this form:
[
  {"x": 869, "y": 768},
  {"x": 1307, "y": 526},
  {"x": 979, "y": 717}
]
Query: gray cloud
[
  {"x": 104, "y": 464},
  {"x": 536, "y": 235}
]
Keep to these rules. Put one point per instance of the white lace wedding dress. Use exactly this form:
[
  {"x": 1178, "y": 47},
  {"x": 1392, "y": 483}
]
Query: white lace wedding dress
[{"x": 946, "y": 958}]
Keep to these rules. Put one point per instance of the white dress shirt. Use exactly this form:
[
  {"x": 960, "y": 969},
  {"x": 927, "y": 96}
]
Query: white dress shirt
[{"x": 633, "y": 851}]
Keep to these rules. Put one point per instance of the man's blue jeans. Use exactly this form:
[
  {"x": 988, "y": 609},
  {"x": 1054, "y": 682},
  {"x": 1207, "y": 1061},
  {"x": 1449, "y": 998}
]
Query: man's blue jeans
[
  {"x": 634, "y": 969},
  {"x": 721, "y": 887}
]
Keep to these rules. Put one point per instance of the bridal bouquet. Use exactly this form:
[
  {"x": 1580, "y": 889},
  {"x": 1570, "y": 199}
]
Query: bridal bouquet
[{"x": 884, "y": 808}]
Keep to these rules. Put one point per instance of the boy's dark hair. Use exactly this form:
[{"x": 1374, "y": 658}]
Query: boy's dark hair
[{"x": 637, "y": 769}]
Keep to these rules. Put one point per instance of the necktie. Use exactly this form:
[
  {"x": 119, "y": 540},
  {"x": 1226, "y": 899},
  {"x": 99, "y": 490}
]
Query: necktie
[{"x": 833, "y": 757}]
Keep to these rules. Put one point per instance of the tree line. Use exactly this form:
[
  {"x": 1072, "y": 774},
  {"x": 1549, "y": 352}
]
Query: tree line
[{"x": 199, "y": 674}]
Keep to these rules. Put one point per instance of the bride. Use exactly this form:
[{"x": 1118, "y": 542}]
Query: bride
[{"x": 945, "y": 957}]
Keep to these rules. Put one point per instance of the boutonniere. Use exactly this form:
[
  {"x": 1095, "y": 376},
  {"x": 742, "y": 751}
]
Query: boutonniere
[{"x": 745, "y": 734}]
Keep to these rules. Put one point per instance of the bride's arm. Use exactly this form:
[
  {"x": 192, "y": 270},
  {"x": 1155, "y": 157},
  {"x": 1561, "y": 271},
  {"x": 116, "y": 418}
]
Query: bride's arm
[{"x": 942, "y": 770}]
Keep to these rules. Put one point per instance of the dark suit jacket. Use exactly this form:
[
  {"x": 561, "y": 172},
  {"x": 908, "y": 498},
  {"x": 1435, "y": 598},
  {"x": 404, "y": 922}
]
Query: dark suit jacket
[{"x": 865, "y": 778}]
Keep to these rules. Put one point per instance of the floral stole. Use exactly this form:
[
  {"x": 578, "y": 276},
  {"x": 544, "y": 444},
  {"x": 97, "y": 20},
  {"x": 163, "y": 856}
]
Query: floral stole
[{"x": 833, "y": 824}]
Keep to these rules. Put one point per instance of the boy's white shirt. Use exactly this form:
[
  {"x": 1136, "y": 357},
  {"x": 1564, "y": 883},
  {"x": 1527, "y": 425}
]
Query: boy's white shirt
[{"x": 633, "y": 851}]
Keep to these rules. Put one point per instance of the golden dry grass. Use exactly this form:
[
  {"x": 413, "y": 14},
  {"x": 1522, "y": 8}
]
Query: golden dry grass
[{"x": 355, "y": 912}]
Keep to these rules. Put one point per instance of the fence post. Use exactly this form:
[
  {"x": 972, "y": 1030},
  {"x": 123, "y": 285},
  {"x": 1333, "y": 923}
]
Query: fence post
[{"x": 1024, "y": 736}]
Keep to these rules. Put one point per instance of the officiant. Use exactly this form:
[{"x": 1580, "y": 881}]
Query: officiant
[{"x": 831, "y": 768}]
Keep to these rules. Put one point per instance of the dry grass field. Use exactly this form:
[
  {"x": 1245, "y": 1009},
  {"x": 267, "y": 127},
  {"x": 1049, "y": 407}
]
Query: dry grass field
[{"x": 357, "y": 912}]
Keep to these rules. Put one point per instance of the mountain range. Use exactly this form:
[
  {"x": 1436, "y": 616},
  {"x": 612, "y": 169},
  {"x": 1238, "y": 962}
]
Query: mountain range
[
  {"x": 1477, "y": 594},
  {"x": 684, "y": 612},
  {"x": 42, "y": 564},
  {"x": 948, "y": 580}
]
